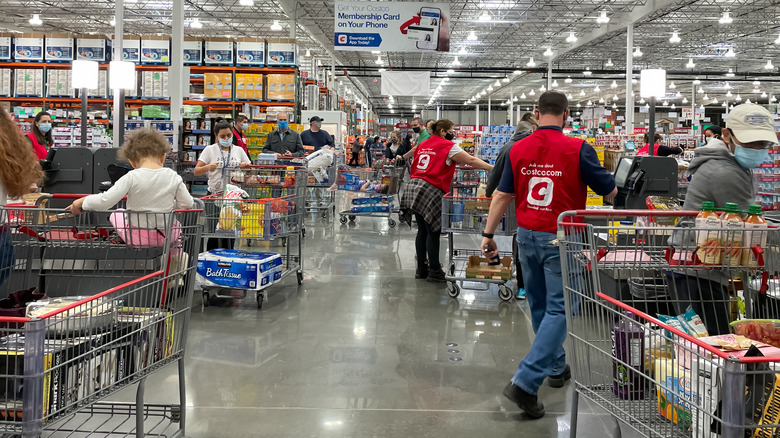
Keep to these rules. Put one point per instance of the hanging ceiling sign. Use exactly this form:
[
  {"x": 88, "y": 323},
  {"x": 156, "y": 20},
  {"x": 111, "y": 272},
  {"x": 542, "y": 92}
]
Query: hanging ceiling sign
[{"x": 391, "y": 26}]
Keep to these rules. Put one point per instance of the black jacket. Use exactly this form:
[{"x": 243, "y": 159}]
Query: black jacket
[
  {"x": 503, "y": 155},
  {"x": 292, "y": 142}
]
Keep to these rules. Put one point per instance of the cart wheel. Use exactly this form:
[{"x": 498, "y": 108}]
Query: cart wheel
[
  {"x": 352, "y": 217},
  {"x": 300, "y": 278},
  {"x": 324, "y": 214},
  {"x": 206, "y": 298},
  {"x": 504, "y": 293},
  {"x": 303, "y": 232},
  {"x": 391, "y": 223},
  {"x": 455, "y": 252},
  {"x": 284, "y": 241},
  {"x": 452, "y": 269},
  {"x": 453, "y": 289},
  {"x": 260, "y": 298},
  {"x": 343, "y": 219}
]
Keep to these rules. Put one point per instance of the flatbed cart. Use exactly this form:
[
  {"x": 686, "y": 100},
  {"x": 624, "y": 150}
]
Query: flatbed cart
[
  {"x": 266, "y": 203},
  {"x": 369, "y": 193},
  {"x": 656, "y": 374},
  {"x": 84, "y": 329}
]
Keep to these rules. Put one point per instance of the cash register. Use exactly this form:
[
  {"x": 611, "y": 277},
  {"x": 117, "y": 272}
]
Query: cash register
[{"x": 638, "y": 177}]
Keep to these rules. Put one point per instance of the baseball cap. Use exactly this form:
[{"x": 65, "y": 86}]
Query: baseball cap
[
  {"x": 750, "y": 122},
  {"x": 316, "y": 119}
]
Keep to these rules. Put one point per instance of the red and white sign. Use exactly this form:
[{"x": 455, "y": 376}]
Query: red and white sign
[{"x": 403, "y": 126}]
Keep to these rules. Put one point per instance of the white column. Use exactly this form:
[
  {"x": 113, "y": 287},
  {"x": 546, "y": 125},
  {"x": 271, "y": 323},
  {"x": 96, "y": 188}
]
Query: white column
[
  {"x": 549, "y": 75},
  {"x": 119, "y": 101},
  {"x": 517, "y": 117},
  {"x": 629, "y": 77},
  {"x": 476, "y": 122},
  {"x": 176, "y": 78},
  {"x": 490, "y": 104}
]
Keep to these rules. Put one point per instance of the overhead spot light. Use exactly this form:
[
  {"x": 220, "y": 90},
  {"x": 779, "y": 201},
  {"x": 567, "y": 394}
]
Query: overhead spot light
[
  {"x": 195, "y": 23},
  {"x": 715, "y": 101},
  {"x": 730, "y": 53},
  {"x": 614, "y": 106},
  {"x": 276, "y": 26},
  {"x": 696, "y": 81},
  {"x": 726, "y": 18},
  {"x": 701, "y": 90},
  {"x": 597, "y": 89},
  {"x": 609, "y": 63},
  {"x": 773, "y": 99},
  {"x": 514, "y": 99},
  {"x": 601, "y": 100},
  {"x": 769, "y": 65},
  {"x": 523, "y": 96},
  {"x": 675, "y": 38},
  {"x": 602, "y": 19},
  {"x": 498, "y": 83},
  {"x": 450, "y": 71},
  {"x": 678, "y": 95},
  {"x": 571, "y": 38},
  {"x": 246, "y": 2},
  {"x": 637, "y": 53},
  {"x": 590, "y": 102},
  {"x": 463, "y": 51},
  {"x": 690, "y": 63},
  {"x": 456, "y": 61},
  {"x": 587, "y": 72},
  {"x": 542, "y": 88},
  {"x": 730, "y": 74},
  {"x": 505, "y": 80},
  {"x": 378, "y": 60},
  {"x": 112, "y": 22},
  {"x": 472, "y": 36},
  {"x": 685, "y": 100},
  {"x": 485, "y": 17},
  {"x": 516, "y": 72},
  {"x": 579, "y": 105},
  {"x": 642, "y": 100},
  {"x": 376, "y": 52},
  {"x": 748, "y": 101},
  {"x": 613, "y": 85},
  {"x": 567, "y": 80},
  {"x": 763, "y": 94},
  {"x": 532, "y": 93},
  {"x": 738, "y": 98},
  {"x": 531, "y": 62},
  {"x": 582, "y": 92},
  {"x": 381, "y": 70},
  {"x": 548, "y": 53},
  {"x": 777, "y": 41},
  {"x": 615, "y": 97},
  {"x": 36, "y": 20},
  {"x": 555, "y": 84},
  {"x": 490, "y": 88},
  {"x": 308, "y": 53},
  {"x": 672, "y": 86}
]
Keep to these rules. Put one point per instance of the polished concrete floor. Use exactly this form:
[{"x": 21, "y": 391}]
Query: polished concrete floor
[{"x": 362, "y": 349}]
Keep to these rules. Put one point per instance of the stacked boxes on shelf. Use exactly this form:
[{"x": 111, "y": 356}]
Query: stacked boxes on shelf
[
  {"x": 5, "y": 82},
  {"x": 155, "y": 84},
  {"x": 766, "y": 177},
  {"x": 131, "y": 125},
  {"x": 67, "y": 136},
  {"x": 165, "y": 127},
  {"x": 281, "y": 87},
  {"x": 218, "y": 86},
  {"x": 493, "y": 139},
  {"x": 59, "y": 83},
  {"x": 249, "y": 86},
  {"x": 29, "y": 82}
]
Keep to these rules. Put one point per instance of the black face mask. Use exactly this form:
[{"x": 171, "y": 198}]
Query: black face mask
[
  {"x": 449, "y": 136},
  {"x": 416, "y": 130}
]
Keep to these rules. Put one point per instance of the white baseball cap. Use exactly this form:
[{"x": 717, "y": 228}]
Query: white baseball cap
[{"x": 750, "y": 122}]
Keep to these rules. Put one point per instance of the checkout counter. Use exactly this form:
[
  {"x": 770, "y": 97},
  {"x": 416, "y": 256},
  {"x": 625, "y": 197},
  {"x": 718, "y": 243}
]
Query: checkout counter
[
  {"x": 77, "y": 170},
  {"x": 639, "y": 177}
]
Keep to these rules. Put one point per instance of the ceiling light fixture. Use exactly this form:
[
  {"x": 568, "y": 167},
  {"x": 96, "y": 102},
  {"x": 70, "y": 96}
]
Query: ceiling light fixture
[
  {"x": 642, "y": 100},
  {"x": 729, "y": 94},
  {"x": 706, "y": 97},
  {"x": 672, "y": 86},
  {"x": 112, "y": 22},
  {"x": 637, "y": 53},
  {"x": 748, "y": 101},
  {"x": 678, "y": 95},
  {"x": 456, "y": 61},
  {"x": 542, "y": 88},
  {"x": 590, "y": 102},
  {"x": 571, "y": 38},
  {"x": 381, "y": 70},
  {"x": 532, "y": 93},
  {"x": 615, "y": 97},
  {"x": 675, "y": 38},
  {"x": 246, "y": 2},
  {"x": 582, "y": 92},
  {"x": 756, "y": 83},
  {"x": 769, "y": 65},
  {"x": 777, "y": 41},
  {"x": 548, "y": 53},
  {"x": 701, "y": 90},
  {"x": 579, "y": 105},
  {"x": 726, "y": 18},
  {"x": 567, "y": 80},
  {"x": 378, "y": 60},
  {"x": 609, "y": 63},
  {"x": 485, "y": 17},
  {"x": 555, "y": 84},
  {"x": 516, "y": 72},
  {"x": 490, "y": 88},
  {"x": 463, "y": 51},
  {"x": 472, "y": 36},
  {"x": 308, "y": 53},
  {"x": 587, "y": 71},
  {"x": 522, "y": 96},
  {"x": 376, "y": 52},
  {"x": 450, "y": 71},
  {"x": 738, "y": 98},
  {"x": 690, "y": 63},
  {"x": 531, "y": 62},
  {"x": 601, "y": 100},
  {"x": 36, "y": 20},
  {"x": 666, "y": 103},
  {"x": 597, "y": 89},
  {"x": 614, "y": 106},
  {"x": 773, "y": 99},
  {"x": 498, "y": 83},
  {"x": 276, "y": 26},
  {"x": 730, "y": 53},
  {"x": 696, "y": 81},
  {"x": 715, "y": 101},
  {"x": 505, "y": 80},
  {"x": 763, "y": 94},
  {"x": 685, "y": 100},
  {"x": 514, "y": 99},
  {"x": 730, "y": 73},
  {"x": 614, "y": 84},
  {"x": 602, "y": 19}
]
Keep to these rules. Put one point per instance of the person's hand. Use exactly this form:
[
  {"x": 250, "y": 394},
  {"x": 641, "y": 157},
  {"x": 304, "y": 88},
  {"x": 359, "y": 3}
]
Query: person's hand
[
  {"x": 244, "y": 165},
  {"x": 212, "y": 167},
  {"x": 444, "y": 34},
  {"x": 490, "y": 246},
  {"x": 75, "y": 207},
  {"x": 287, "y": 153}
]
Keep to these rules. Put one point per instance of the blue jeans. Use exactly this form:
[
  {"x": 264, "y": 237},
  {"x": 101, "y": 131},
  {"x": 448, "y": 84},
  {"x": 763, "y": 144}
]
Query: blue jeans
[{"x": 540, "y": 262}]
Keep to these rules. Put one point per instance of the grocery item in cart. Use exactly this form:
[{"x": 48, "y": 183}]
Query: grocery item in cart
[
  {"x": 672, "y": 390},
  {"x": 734, "y": 228},
  {"x": 664, "y": 203},
  {"x": 236, "y": 269},
  {"x": 480, "y": 267},
  {"x": 755, "y": 234},
  {"x": 628, "y": 349},
  {"x": 708, "y": 238},
  {"x": 92, "y": 316},
  {"x": 761, "y": 330}
]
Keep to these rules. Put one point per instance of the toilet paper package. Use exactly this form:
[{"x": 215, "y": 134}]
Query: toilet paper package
[{"x": 238, "y": 269}]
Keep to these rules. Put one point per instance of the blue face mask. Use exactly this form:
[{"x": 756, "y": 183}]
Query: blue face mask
[
  {"x": 44, "y": 127},
  {"x": 226, "y": 143},
  {"x": 283, "y": 124},
  {"x": 750, "y": 158}
]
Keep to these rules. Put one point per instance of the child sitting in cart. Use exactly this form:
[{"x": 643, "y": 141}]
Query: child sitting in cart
[{"x": 149, "y": 188}]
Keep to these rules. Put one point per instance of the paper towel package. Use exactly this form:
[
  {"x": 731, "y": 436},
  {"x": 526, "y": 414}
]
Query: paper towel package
[{"x": 239, "y": 269}]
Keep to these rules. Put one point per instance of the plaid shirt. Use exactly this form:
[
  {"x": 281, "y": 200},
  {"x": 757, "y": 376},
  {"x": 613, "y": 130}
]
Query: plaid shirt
[{"x": 423, "y": 198}]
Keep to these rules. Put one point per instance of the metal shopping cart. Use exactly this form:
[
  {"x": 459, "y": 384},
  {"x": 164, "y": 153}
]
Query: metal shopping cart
[
  {"x": 632, "y": 352},
  {"x": 464, "y": 213},
  {"x": 369, "y": 193},
  {"x": 261, "y": 203},
  {"x": 100, "y": 301}
]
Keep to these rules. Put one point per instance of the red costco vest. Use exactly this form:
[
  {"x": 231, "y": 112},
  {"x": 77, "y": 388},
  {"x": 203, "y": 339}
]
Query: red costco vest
[
  {"x": 548, "y": 180},
  {"x": 40, "y": 150},
  {"x": 430, "y": 163}
]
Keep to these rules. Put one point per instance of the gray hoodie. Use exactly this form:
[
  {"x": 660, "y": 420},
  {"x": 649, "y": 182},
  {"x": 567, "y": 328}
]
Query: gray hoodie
[{"x": 718, "y": 177}]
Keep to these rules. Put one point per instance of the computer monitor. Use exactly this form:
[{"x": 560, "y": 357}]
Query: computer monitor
[{"x": 622, "y": 171}]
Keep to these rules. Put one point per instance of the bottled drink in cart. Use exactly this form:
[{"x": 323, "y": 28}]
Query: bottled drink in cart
[
  {"x": 733, "y": 233},
  {"x": 755, "y": 234},
  {"x": 628, "y": 349},
  {"x": 708, "y": 235}
]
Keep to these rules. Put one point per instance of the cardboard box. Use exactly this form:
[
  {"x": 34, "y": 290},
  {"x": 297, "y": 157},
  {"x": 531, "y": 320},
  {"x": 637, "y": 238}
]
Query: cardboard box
[
  {"x": 29, "y": 47},
  {"x": 193, "y": 51},
  {"x": 282, "y": 53},
  {"x": 5, "y": 46},
  {"x": 672, "y": 390},
  {"x": 155, "y": 49},
  {"x": 478, "y": 267},
  {"x": 59, "y": 47},
  {"x": 131, "y": 48},
  {"x": 91, "y": 48},
  {"x": 218, "y": 51},
  {"x": 250, "y": 51},
  {"x": 705, "y": 387}
]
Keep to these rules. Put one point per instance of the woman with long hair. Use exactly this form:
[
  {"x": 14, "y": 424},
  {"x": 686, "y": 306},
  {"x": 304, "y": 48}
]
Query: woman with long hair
[
  {"x": 40, "y": 139},
  {"x": 19, "y": 167}
]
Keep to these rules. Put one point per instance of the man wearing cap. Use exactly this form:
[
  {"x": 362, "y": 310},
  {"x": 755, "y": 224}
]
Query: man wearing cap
[
  {"x": 721, "y": 172},
  {"x": 314, "y": 136}
]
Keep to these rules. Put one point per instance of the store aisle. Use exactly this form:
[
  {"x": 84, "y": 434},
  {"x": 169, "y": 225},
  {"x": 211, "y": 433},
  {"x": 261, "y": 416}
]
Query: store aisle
[{"x": 362, "y": 349}]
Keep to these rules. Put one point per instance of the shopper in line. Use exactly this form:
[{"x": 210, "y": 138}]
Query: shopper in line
[
  {"x": 659, "y": 150},
  {"x": 239, "y": 128},
  {"x": 720, "y": 175},
  {"x": 424, "y": 134},
  {"x": 367, "y": 146},
  {"x": 393, "y": 145},
  {"x": 40, "y": 140},
  {"x": 431, "y": 176},
  {"x": 283, "y": 140},
  {"x": 315, "y": 136},
  {"x": 19, "y": 166},
  {"x": 713, "y": 132},
  {"x": 548, "y": 173},
  {"x": 355, "y": 160}
]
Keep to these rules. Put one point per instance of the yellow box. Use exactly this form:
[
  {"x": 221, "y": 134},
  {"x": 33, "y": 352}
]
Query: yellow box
[
  {"x": 240, "y": 86},
  {"x": 252, "y": 221},
  {"x": 209, "y": 84},
  {"x": 594, "y": 200}
]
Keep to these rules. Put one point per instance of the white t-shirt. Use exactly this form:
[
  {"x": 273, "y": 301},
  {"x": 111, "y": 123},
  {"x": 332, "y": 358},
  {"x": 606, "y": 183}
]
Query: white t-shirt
[
  {"x": 225, "y": 161},
  {"x": 455, "y": 150},
  {"x": 155, "y": 190}
]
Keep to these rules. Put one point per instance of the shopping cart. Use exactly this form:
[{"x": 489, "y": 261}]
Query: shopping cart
[
  {"x": 369, "y": 193},
  {"x": 463, "y": 213},
  {"x": 319, "y": 199},
  {"x": 260, "y": 203},
  {"x": 98, "y": 304},
  {"x": 636, "y": 351}
]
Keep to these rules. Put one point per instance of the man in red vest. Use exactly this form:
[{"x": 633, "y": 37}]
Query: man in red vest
[{"x": 548, "y": 174}]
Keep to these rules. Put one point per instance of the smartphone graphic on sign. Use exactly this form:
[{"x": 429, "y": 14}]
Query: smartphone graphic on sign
[{"x": 427, "y": 32}]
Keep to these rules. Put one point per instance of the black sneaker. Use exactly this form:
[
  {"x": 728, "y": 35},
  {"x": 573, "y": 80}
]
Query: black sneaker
[
  {"x": 527, "y": 402},
  {"x": 421, "y": 272},
  {"x": 559, "y": 380},
  {"x": 436, "y": 276}
]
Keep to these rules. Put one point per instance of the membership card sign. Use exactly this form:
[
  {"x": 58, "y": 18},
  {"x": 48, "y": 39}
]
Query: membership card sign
[{"x": 392, "y": 26}]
